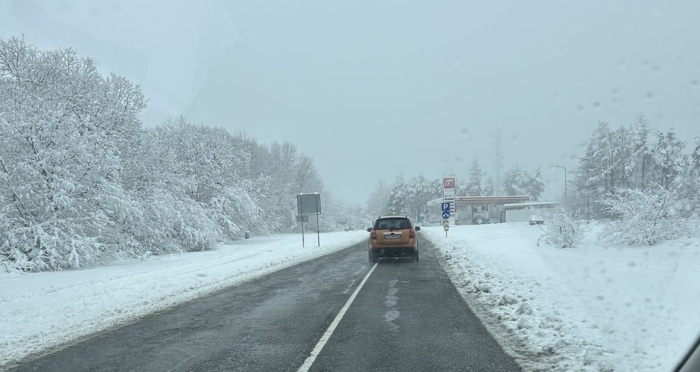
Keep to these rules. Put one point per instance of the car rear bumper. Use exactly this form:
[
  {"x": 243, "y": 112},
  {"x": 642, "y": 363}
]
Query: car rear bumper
[{"x": 393, "y": 251}]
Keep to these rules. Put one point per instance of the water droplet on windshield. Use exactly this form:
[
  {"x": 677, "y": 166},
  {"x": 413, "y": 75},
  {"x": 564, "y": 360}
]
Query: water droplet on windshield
[
  {"x": 622, "y": 64},
  {"x": 649, "y": 95},
  {"x": 694, "y": 83},
  {"x": 464, "y": 132},
  {"x": 615, "y": 95}
]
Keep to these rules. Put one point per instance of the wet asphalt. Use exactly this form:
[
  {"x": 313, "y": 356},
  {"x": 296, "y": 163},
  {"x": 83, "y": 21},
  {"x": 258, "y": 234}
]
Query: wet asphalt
[{"x": 407, "y": 317}]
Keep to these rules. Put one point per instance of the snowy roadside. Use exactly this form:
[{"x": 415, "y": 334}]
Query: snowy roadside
[
  {"x": 590, "y": 308},
  {"x": 40, "y": 311}
]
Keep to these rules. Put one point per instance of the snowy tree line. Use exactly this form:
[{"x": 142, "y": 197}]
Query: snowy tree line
[
  {"x": 404, "y": 197},
  {"x": 409, "y": 197},
  {"x": 645, "y": 180},
  {"x": 517, "y": 181},
  {"x": 83, "y": 182}
]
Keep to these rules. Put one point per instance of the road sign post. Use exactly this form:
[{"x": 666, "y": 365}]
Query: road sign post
[
  {"x": 446, "y": 207},
  {"x": 446, "y": 225},
  {"x": 449, "y": 187},
  {"x": 309, "y": 203},
  {"x": 302, "y": 218}
]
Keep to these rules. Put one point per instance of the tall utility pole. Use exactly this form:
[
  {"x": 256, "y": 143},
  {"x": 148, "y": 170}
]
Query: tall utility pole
[
  {"x": 566, "y": 198},
  {"x": 497, "y": 186}
]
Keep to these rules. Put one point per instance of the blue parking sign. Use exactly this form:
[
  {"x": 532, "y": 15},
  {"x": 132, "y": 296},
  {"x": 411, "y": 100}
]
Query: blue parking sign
[{"x": 445, "y": 207}]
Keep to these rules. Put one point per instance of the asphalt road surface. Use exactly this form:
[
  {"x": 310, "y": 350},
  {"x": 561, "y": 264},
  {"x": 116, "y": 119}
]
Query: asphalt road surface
[{"x": 404, "y": 316}]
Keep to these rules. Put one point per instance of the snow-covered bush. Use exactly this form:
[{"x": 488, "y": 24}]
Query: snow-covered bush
[
  {"x": 338, "y": 216},
  {"x": 645, "y": 217},
  {"x": 235, "y": 211},
  {"x": 561, "y": 231}
]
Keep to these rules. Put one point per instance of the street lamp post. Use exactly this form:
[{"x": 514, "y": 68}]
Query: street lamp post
[{"x": 565, "y": 196}]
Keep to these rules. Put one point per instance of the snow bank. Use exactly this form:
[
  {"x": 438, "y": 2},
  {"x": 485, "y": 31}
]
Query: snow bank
[
  {"x": 43, "y": 310},
  {"x": 591, "y": 308}
]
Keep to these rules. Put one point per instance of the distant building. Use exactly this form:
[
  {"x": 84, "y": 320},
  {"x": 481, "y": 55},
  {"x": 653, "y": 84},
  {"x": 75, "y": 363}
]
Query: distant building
[
  {"x": 521, "y": 212},
  {"x": 474, "y": 210}
]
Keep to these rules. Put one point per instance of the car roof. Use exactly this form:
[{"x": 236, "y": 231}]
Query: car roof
[{"x": 383, "y": 217}]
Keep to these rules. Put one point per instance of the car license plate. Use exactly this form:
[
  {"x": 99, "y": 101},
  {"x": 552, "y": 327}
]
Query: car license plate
[{"x": 392, "y": 236}]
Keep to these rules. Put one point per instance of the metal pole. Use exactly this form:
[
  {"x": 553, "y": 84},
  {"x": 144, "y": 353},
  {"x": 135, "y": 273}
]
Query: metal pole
[
  {"x": 302, "y": 231},
  {"x": 566, "y": 184},
  {"x": 318, "y": 232}
]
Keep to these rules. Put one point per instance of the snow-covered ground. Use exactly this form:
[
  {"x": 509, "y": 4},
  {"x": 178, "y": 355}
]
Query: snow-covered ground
[
  {"x": 590, "y": 308},
  {"x": 42, "y": 310}
]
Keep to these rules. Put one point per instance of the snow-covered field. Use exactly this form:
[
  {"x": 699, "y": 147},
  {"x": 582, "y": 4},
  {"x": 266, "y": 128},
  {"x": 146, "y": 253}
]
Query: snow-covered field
[
  {"x": 42, "y": 310},
  {"x": 590, "y": 308}
]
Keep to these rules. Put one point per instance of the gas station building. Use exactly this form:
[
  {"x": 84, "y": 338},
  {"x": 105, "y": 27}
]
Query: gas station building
[{"x": 489, "y": 209}]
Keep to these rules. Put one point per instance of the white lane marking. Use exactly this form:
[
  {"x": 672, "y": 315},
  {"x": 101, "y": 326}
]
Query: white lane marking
[
  {"x": 327, "y": 335},
  {"x": 347, "y": 290}
]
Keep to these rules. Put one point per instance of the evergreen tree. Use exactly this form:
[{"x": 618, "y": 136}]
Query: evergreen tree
[{"x": 474, "y": 185}]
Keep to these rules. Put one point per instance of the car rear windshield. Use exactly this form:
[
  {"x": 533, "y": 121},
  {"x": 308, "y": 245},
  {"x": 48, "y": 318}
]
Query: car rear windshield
[{"x": 392, "y": 224}]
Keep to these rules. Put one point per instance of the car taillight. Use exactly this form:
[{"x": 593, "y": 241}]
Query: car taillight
[
  {"x": 411, "y": 233},
  {"x": 373, "y": 234}
]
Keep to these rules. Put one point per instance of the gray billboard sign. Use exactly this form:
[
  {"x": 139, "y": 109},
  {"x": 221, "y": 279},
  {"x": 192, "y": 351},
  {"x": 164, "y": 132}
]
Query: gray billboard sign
[{"x": 309, "y": 204}]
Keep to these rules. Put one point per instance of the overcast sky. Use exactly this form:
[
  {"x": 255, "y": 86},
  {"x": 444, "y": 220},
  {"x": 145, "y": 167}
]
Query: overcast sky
[{"x": 372, "y": 89}]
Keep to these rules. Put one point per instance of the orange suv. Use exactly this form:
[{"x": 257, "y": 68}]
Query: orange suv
[{"x": 393, "y": 236}]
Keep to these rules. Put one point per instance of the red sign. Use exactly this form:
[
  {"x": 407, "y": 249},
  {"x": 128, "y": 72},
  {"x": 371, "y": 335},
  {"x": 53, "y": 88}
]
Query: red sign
[{"x": 448, "y": 183}]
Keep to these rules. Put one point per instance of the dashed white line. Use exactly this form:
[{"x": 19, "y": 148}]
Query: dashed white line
[{"x": 327, "y": 335}]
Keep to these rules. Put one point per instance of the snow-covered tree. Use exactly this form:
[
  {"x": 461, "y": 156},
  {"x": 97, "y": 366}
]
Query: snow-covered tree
[
  {"x": 474, "y": 184},
  {"x": 420, "y": 191},
  {"x": 377, "y": 204},
  {"x": 561, "y": 231},
  {"x": 520, "y": 182},
  {"x": 668, "y": 158},
  {"x": 534, "y": 185},
  {"x": 695, "y": 158},
  {"x": 642, "y": 151},
  {"x": 622, "y": 174},
  {"x": 644, "y": 217},
  {"x": 63, "y": 128},
  {"x": 514, "y": 181},
  {"x": 398, "y": 197},
  {"x": 81, "y": 182},
  {"x": 489, "y": 186}
]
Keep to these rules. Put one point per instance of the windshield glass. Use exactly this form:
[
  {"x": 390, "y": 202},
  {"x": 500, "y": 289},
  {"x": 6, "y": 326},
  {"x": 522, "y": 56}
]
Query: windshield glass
[
  {"x": 392, "y": 224},
  {"x": 198, "y": 185}
]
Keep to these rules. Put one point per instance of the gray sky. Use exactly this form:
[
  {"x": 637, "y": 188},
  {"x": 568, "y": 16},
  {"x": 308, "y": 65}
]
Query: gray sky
[{"x": 428, "y": 81}]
